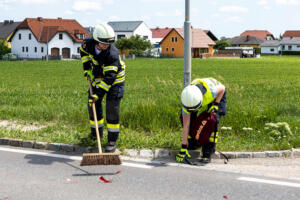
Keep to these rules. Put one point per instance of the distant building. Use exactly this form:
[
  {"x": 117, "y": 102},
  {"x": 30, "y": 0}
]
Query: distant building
[
  {"x": 35, "y": 38},
  {"x": 271, "y": 47},
  {"x": 90, "y": 30},
  {"x": 173, "y": 43},
  {"x": 245, "y": 41},
  {"x": 158, "y": 34},
  {"x": 6, "y": 30},
  {"x": 291, "y": 33},
  {"x": 290, "y": 44},
  {"x": 131, "y": 28},
  {"x": 261, "y": 34}
]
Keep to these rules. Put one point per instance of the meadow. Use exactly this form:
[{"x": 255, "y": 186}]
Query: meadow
[{"x": 263, "y": 102}]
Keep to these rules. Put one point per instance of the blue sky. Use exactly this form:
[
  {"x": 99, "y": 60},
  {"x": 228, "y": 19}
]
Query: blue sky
[{"x": 223, "y": 17}]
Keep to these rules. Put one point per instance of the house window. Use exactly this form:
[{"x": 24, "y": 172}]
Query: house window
[
  {"x": 173, "y": 39},
  {"x": 20, "y": 37},
  {"x": 26, "y": 49},
  {"x": 35, "y": 49},
  {"x": 145, "y": 37},
  {"x": 283, "y": 47},
  {"x": 172, "y": 49},
  {"x": 80, "y": 36},
  {"x": 167, "y": 49},
  {"x": 298, "y": 46},
  {"x": 78, "y": 50},
  {"x": 120, "y": 36},
  {"x": 29, "y": 36},
  {"x": 23, "y": 49},
  {"x": 272, "y": 50},
  {"x": 60, "y": 36},
  {"x": 42, "y": 49},
  {"x": 290, "y": 47}
]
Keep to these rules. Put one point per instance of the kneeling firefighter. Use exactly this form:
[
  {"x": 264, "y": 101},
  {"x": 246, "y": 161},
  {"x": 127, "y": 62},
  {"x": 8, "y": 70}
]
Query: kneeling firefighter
[
  {"x": 203, "y": 97},
  {"x": 104, "y": 67}
]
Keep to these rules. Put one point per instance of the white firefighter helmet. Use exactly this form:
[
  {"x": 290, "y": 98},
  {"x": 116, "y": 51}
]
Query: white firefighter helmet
[
  {"x": 104, "y": 33},
  {"x": 191, "y": 97}
]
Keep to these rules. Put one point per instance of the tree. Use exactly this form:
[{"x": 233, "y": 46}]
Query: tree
[
  {"x": 123, "y": 44},
  {"x": 221, "y": 44},
  {"x": 3, "y": 48},
  {"x": 135, "y": 44}
]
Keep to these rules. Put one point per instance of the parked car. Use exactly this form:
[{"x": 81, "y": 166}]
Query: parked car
[{"x": 9, "y": 56}]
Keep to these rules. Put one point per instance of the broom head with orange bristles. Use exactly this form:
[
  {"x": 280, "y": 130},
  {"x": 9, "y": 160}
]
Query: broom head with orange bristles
[{"x": 100, "y": 159}]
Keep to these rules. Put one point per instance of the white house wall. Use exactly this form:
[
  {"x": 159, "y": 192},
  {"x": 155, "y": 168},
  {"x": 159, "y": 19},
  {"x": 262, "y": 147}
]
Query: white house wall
[
  {"x": 17, "y": 45},
  {"x": 127, "y": 34},
  {"x": 143, "y": 31},
  {"x": 66, "y": 42},
  {"x": 267, "y": 50},
  {"x": 294, "y": 47}
]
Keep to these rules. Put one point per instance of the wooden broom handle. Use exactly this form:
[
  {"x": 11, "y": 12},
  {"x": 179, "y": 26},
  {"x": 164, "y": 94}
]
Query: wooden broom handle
[{"x": 95, "y": 117}]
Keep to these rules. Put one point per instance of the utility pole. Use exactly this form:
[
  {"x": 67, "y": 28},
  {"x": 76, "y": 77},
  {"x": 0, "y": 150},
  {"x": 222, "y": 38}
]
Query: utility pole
[
  {"x": 47, "y": 43},
  {"x": 187, "y": 45}
]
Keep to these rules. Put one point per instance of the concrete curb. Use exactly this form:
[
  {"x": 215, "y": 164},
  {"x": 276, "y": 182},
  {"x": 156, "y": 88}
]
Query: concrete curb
[{"x": 146, "y": 153}]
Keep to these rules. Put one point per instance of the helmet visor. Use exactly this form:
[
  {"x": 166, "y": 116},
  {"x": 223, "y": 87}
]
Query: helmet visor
[{"x": 106, "y": 40}]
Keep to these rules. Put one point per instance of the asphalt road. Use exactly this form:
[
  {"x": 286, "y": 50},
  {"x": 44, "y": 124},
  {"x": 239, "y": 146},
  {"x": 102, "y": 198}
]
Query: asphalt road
[{"x": 28, "y": 175}]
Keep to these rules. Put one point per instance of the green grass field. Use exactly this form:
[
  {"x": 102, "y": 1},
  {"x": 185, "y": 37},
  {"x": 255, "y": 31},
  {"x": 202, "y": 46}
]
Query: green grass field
[{"x": 54, "y": 94}]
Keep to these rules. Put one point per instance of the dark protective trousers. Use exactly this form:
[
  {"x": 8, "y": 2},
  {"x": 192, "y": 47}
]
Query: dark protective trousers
[{"x": 113, "y": 100}]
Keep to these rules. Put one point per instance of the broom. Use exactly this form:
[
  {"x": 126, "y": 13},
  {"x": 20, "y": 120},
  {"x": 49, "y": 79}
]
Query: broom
[{"x": 99, "y": 158}]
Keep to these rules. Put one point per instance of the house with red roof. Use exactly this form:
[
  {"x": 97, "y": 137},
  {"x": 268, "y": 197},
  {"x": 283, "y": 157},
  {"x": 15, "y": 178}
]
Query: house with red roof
[
  {"x": 173, "y": 43},
  {"x": 291, "y": 33},
  {"x": 260, "y": 34},
  {"x": 36, "y": 38},
  {"x": 158, "y": 34}
]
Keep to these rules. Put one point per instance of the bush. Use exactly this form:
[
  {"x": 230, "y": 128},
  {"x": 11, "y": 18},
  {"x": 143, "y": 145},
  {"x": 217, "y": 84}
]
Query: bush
[
  {"x": 290, "y": 52},
  {"x": 3, "y": 48},
  {"x": 135, "y": 44},
  {"x": 220, "y": 45},
  {"x": 257, "y": 50}
]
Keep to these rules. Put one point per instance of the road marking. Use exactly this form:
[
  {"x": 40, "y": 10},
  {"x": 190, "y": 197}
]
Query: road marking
[
  {"x": 269, "y": 181},
  {"x": 144, "y": 166}
]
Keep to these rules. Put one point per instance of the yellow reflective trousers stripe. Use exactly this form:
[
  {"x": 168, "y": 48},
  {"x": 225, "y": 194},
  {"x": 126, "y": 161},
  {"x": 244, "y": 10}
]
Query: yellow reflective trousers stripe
[{"x": 100, "y": 123}]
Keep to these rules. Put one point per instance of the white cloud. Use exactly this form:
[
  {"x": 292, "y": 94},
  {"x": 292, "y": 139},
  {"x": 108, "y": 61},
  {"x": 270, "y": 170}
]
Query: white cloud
[
  {"x": 175, "y": 13},
  {"x": 287, "y": 2},
  {"x": 69, "y": 12},
  {"x": 109, "y": 2},
  {"x": 86, "y": 5},
  {"x": 234, "y": 19},
  {"x": 35, "y": 1},
  {"x": 262, "y": 2},
  {"x": 215, "y": 15},
  {"x": 233, "y": 9},
  {"x": 160, "y": 1},
  {"x": 114, "y": 18}
]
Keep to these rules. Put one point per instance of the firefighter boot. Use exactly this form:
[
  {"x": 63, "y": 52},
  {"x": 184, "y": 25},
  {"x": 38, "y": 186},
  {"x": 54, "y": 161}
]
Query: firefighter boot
[
  {"x": 111, "y": 147},
  {"x": 207, "y": 151}
]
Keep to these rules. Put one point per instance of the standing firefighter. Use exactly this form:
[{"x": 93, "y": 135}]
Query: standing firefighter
[
  {"x": 203, "y": 101},
  {"x": 102, "y": 63}
]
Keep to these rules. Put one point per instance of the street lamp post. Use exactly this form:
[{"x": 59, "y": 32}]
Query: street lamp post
[{"x": 187, "y": 45}]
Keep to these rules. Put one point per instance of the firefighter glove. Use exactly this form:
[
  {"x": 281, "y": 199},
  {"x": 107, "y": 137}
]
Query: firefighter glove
[
  {"x": 88, "y": 73},
  {"x": 182, "y": 154},
  {"x": 93, "y": 99},
  {"x": 214, "y": 109}
]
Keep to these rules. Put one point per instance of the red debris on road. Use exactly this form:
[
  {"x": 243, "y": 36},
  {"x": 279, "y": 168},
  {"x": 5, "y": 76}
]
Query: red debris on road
[{"x": 104, "y": 180}]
